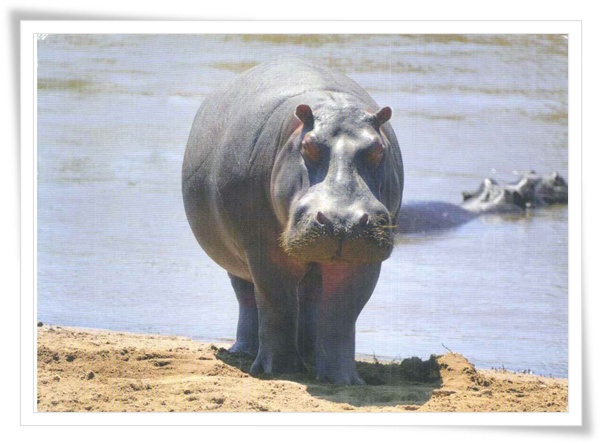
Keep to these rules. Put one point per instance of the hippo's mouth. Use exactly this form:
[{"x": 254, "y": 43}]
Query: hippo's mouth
[{"x": 324, "y": 244}]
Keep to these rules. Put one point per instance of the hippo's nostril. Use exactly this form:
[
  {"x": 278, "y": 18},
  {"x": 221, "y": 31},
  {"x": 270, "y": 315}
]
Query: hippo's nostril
[
  {"x": 381, "y": 220},
  {"x": 363, "y": 220},
  {"x": 322, "y": 219}
]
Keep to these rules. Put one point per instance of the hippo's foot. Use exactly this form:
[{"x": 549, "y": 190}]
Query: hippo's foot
[
  {"x": 340, "y": 377},
  {"x": 335, "y": 361},
  {"x": 244, "y": 348},
  {"x": 270, "y": 362}
]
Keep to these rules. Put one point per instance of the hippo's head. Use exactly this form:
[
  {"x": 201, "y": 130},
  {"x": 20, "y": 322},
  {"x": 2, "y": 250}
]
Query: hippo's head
[
  {"x": 337, "y": 185},
  {"x": 552, "y": 189},
  {"x": 531, "y": 190},
  {"x": 494, "y": 198},
  {"x": 526, "y": 187}
]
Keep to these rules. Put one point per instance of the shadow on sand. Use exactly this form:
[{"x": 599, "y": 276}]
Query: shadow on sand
[{"x": 410, "y": 382}]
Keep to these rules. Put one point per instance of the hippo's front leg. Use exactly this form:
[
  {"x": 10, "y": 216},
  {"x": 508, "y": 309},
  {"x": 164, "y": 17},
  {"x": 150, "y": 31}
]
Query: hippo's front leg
[
  {"x": 276, "y": 297},
  {"x": 246, "y": 338},
  {"x": 346, "y": 289}
]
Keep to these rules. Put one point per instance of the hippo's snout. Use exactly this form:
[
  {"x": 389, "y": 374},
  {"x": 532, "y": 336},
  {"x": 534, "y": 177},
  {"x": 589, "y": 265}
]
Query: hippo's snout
[
  {"x": 349, "y": 234},
  {"x": 352, "y": 223}
]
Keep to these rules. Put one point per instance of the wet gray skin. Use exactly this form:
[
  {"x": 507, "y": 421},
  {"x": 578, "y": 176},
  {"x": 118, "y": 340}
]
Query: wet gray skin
[
  {"x": 494, "y": 198},
  {"x": 530, "y": 191},
  {"x": 292, "y": 182},
  {"x": 551, "y": 189}
]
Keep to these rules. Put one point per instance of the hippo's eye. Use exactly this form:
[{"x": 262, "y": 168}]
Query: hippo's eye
[
  {"x": 375, "y": 154},
  {"x": 310, "y": 151}
]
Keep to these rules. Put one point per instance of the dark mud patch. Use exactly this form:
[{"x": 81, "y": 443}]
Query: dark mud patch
[{"x": 409, "y": 370}]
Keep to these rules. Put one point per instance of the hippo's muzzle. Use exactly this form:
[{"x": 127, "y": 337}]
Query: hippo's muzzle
[{"x": 353, "y": 233}]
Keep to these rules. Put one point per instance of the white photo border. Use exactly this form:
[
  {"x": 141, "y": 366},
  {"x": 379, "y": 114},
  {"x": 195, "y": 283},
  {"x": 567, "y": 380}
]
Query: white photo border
[{"x": 32, "y": 30}]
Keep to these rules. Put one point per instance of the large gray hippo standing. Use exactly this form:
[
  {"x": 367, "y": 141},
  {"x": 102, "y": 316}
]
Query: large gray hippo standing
[{"x": 292, "y": 182}]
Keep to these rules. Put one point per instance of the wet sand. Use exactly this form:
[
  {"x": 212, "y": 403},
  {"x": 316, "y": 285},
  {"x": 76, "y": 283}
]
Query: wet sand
[{"x": 106, "y": 371}]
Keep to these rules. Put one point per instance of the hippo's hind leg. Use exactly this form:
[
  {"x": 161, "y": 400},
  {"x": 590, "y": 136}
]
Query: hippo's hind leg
[
  {"x": 309, "y": 295},
  {"x": 246, "y": 338}
]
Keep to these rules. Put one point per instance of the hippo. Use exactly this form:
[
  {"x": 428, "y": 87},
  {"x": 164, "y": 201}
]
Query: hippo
[
  {"x": 550, "y": 190},
  {"x": 491, "y": 197},
  {"x": 292, "y": 181},
  {"x": 530, "y": 191}
]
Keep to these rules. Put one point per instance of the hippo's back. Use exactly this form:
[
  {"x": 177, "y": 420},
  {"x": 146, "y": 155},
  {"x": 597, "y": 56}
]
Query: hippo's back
[{"x": 236, "y": 114}]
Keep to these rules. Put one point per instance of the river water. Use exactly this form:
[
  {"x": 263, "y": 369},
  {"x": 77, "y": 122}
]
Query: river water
[{"x": 114, "y": 249}]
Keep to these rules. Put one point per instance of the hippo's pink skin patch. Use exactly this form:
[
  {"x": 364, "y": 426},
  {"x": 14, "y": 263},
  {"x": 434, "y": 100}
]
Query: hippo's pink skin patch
[
  {"x": 335, "y": 277},
  {"x": 281, "y": 260}
]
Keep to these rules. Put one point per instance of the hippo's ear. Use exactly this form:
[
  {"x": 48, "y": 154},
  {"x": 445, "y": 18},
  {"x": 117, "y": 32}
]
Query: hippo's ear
[
  {"x": 466, "y": 195},
  {"x": 304, "y": 113},
  {"x": 383, "y": 115}
]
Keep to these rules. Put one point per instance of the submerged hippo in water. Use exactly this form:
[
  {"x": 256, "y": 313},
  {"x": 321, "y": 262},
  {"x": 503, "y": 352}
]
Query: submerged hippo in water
[
  {"x": 548, "y": 190},
  {"x": 292, "y": 182},
  {"x": 529, "y": 191}
]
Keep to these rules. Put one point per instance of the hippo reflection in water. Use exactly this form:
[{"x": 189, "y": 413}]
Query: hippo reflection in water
[{"x": 530, "y": 191}]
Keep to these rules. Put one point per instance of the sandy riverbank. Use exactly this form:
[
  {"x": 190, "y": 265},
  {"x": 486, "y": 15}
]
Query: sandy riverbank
[{"x": 97, "y": 370}]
